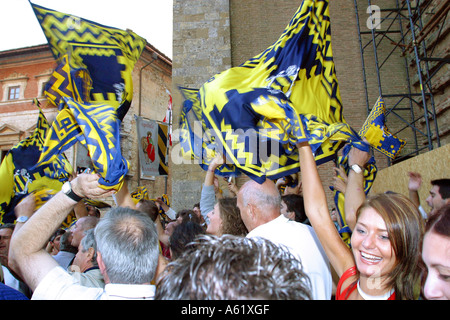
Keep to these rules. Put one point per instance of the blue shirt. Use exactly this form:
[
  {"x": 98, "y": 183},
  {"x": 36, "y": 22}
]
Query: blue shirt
[{"x": 8, "y": 293}]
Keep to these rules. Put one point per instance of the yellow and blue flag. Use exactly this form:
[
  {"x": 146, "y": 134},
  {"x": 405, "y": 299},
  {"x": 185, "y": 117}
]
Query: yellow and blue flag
[
  {"x": 256, "y": 113},
  {"x": 20, "y": 176},
  {"x": 377, "y": 133},
  {"x": 140, "y": 193},
  {"x": 162, "y": 213},
  {"x": 108, "y": 54},
  {"x": 97, "y": 127},
  {"x": 92, "y": 88},
  {"x": 68, "y": 82}
]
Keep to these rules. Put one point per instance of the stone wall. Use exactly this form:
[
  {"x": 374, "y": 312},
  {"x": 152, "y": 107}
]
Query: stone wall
[{"x": 201, "y": 48}]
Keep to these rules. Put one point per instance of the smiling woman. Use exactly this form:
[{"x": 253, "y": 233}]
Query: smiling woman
[
  {"x": 384, "y": 260},
  {"x": 386, "y": 242}
]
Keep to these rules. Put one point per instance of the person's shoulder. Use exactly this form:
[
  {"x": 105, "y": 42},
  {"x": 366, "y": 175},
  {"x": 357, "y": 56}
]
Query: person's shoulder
[
  {"x": 8, "y": 293},
  {"x": 301, "y": 227}
]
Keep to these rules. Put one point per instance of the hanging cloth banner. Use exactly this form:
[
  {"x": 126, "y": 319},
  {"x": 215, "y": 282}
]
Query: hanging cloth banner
[{"x": 152, "y": 146}]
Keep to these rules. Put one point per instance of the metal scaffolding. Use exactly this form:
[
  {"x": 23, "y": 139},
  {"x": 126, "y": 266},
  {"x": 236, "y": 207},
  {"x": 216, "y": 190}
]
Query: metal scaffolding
[{"x": 394, "y": 36}]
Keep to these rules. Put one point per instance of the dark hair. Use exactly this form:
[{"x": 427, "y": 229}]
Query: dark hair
[
  {"x": 444, "y": 187},
  {"x": 65, "y": 243},
  {"x": 8, "y": 226},
  {"x": 58, "y": 232},
  {"x": 230, "y": 267},
  {"x": 439, "y": 222},
  {"x": 188, "y": 215},
  {"x": 295, "y": 203},
  {"x": 149, "y": 207},
  {"x": 231, "y": 217},
  {"x": 183, "y": 234}
]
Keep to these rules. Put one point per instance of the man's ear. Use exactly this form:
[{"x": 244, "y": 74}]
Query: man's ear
[
  {"x": 91, "y": 252},
  {"x": 252, "y": 211},
  {"x": 101, "y": 264},
  {"x": 102, "y": 267}
]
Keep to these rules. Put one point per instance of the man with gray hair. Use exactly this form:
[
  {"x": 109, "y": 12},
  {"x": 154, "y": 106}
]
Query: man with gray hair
[
  {"x": 233, "y": 268},
  {"x": 85, "y": 267},
  {"x": 127, "y": 248},
  {"x": 260, "y": 206}
]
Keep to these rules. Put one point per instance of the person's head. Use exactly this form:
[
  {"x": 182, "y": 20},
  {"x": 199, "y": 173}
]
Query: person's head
[
  {"x": 226, "y": 219},
  {"x": 82, "y": 224},
  {"x": 65, "y": 243},
  {"x": 439, "y": 194},
  {"x": 127, "y": 246},
  {"x": 168, "y": 230},
  {"x": 292, "y": 185},
  {"x": 292, "y": 207},
  {"x": 233, "y": 268},
  {"x": 258, "y": 203},
  {"x": 56, "y": 240},
  {"x": 92, "y": 211},
  {"x": 386, "y": 241},
  {"x": 149, "y": 207},
  {"x": 183, "y": 234},
  {"x": 196, "y": 209},
  {"x": 436, "y": 255},
  {"x": 86, "y": 256},
  {"x": 6, "y": 231},
  {"x": 187, "y": 215}
]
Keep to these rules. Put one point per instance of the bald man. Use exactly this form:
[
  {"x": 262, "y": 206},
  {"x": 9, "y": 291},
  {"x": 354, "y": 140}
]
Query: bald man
[{"x": 260, "y": 207}]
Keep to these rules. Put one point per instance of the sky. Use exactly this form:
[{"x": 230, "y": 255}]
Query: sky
[{"x": 150, "y": 19}]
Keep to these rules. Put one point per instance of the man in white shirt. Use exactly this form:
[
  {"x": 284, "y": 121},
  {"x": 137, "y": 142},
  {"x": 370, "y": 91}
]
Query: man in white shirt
[
  {"x": 85, "y": 267},
  {"x": 121, "y": 236},
  {"x": 260, "y": 206}
]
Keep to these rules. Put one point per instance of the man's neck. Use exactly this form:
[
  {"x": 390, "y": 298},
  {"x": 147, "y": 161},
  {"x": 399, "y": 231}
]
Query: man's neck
[{"x": 267, "y": 217}]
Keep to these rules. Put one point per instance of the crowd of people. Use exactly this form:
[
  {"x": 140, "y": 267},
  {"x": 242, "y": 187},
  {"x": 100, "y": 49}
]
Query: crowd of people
[{"x": 274, "y": 240}]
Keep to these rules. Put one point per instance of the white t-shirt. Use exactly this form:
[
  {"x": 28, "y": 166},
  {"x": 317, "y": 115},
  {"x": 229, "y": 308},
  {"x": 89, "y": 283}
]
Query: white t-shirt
[
  {"x": 59, "y": 285},
  {"x": 302, "y": 242}
]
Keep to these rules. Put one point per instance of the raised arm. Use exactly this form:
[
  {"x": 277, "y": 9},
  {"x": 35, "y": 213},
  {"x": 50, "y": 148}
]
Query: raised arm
[
  {"x": 414, "y": 184},
  {"x": 354, "y": 193},
  {"x": 316, "y": 209},
  {"x": 210, "y": 175},
  {"x": 123, "y": 197},
  {"x": 208, "y": 194},
  {"x": 27, "y": 249}
]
